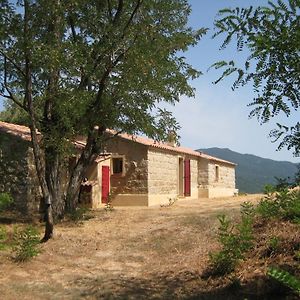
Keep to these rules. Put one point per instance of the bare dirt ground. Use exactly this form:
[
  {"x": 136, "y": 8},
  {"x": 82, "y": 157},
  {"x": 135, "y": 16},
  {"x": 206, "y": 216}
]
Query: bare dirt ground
[{"x": 127, "y": 253}]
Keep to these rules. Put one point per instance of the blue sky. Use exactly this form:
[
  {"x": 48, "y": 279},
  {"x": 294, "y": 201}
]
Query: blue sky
[{"x": 217, "y": 116}]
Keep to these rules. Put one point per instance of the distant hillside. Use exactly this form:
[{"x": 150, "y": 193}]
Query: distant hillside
[{"x": 254, "y": 172}]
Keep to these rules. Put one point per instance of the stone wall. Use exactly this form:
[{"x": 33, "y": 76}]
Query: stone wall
[
  {"x": 226, "y": 175},
  {"x": 134, "y": 179},
  {"x": 163, "y": 176},
  {"x": 163, "y": 172},
  {"x": 194, "y": 177},
  {"x": 17, "y": 173},
  {"x": 210, "y": 185},
  {"x": 203, "y": 172}
]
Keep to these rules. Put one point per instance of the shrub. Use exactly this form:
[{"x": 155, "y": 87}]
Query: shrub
[
  {"x": 291, "y": 206},
  {"x": 273, "y": 244},
  {"x": 282, "y": 204},
  {"x": 80, "y": 214},
  {"x": 247, "y": 209},
  {"x": 235, "y": 241},
  {"x": 26, "y": 243},
  {"x": 3, "y": 237},
  {"x": 222, "y": 263},
  {"x": 285, "y": 278},
  {"x": 269, "y": 189},
  {"x": 5, "y": 201},
  {"x": 268, "y": 208}
]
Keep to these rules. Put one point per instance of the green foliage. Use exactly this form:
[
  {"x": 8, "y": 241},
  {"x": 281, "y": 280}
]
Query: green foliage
[
  {"x": 273, "y": 244},
  {"x": 268, "y": 208},
  {"x": 102, "y": 61},
  {"x": 80, "y": 214},
  {"x": 297, "y": 176},
  {"x": 14, "y": 114},
  {"x": 285, "y": 278},
  {"x": 26, "y": 243},
  {"x": 271, "y": 34},
  {"x": 235, "y": 241},
  {"x": 247, "y": 210},
  {"x": 79, "y": 67},
  {"x": 5, "y": 201},
  {"x": 3, "y": 237},
  {"x": 281, "y": 204},
  {"x": 269, "y": 189}
]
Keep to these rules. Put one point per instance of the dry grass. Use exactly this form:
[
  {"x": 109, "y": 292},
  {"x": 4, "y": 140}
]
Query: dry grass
[{"x": 128, "y": 253}]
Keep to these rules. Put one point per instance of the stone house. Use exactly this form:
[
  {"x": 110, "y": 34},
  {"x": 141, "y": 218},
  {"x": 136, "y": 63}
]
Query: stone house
[
  {"x": 17, "y": 168},
  {"x": 132, "y": 170}
]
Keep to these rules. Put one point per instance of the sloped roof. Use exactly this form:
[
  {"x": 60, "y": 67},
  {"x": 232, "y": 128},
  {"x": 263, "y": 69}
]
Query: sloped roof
[
  {"x": 155, "y": 144},
  {"x": 24, "y": 133},
  {"x": 17, "y": 130}
]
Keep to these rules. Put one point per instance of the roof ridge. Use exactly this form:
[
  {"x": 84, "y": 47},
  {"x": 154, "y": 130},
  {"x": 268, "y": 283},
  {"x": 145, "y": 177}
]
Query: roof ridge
[{"x": 24, "y": 133}]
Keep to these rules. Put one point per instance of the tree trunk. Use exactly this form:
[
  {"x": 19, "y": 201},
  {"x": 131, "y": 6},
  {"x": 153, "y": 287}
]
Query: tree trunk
[
  {"x": 33, "y": 126},
  {"x": 49, "y": 223},
  {"x": 54, "y": 170},
  {"x": 91, "y": 150},
  {"x": 55, "y": 202}
]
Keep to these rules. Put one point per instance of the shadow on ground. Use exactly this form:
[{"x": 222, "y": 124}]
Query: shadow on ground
[{"x": 187, "y": 285}]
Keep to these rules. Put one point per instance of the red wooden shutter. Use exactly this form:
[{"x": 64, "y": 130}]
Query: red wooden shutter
[
  {"x": 187, "y": 177},
  {"x": 105, "y": 184}
]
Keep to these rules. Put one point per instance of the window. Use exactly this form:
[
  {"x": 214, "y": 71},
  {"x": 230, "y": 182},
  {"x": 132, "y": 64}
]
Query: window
[
  {"x": 217, "y": 173},
  {"x": 117, "y": 165}
]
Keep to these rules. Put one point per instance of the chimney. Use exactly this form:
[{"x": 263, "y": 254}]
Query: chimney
[{"x": 171, "y": 141}]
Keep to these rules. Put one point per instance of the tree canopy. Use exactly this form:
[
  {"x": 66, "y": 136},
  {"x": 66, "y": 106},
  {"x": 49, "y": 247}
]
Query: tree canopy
[
  {"x": 82, "y": 66},
  {"x": 271, "y": 36}
]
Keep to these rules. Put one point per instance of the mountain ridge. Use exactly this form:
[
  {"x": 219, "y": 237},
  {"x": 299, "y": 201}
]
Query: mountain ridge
[{"x": 254, "y": 172}]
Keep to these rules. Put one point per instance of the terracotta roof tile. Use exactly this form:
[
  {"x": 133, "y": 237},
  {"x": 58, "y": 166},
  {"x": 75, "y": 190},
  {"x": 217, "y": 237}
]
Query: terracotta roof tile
[
  {"x": 24, "y": 133},
  {"x": 17, "y": 130},
  {"x": 152, "y": 143}
]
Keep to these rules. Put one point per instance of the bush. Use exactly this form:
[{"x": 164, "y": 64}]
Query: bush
[
  {"x": 269, "y": 189},
  {"x": 268, "y": 208},
  {"x": 5, "y": 201},
  {"x": 235, "y": 241},
  {"x": 26, "y": 243},
  {"x": 273, "y": 244},
  {"x": 80, "y": 214},
  {"x": 291, "y": 206},
  {"x": 282, "y": 204},
  {"x": 3, "y": 237},
  {"x": 285, "y": 278}
]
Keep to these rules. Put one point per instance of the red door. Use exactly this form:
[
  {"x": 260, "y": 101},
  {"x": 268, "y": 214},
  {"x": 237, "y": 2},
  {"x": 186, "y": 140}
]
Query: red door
[
  {"x": 187, "y": 177},
  {"x": 105, "y": 184}
]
